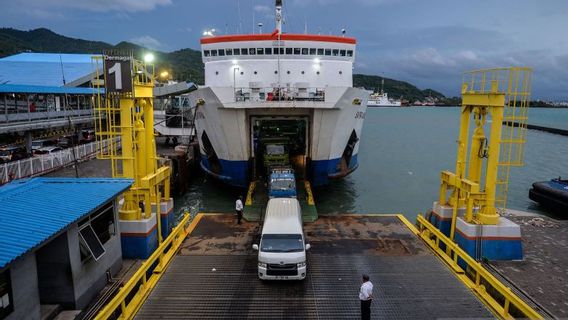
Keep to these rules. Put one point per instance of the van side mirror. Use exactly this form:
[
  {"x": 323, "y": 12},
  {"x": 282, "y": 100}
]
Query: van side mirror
[
  {"x": 308, "y": 246},
  {"x": 255, "y": 247}
]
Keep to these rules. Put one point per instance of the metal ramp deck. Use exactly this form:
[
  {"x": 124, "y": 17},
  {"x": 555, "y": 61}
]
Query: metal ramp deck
[{"x": 214, "y": 275}]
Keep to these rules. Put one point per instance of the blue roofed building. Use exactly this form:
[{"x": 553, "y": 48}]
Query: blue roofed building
[
  {"x": 48, "y": 69},
  {"x": 41, "y": 91},
  {"x": 59, "y": 242}
]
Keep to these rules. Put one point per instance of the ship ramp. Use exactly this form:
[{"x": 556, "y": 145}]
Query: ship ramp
[{"x": 214, "y": 275}]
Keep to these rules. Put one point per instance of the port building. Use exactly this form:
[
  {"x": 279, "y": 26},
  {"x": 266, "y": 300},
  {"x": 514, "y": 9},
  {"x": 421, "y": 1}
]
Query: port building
[{"x": 59, "y": 243}]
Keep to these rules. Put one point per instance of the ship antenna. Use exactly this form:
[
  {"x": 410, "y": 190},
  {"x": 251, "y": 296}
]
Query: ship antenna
[{"x": 279, "y": 16}]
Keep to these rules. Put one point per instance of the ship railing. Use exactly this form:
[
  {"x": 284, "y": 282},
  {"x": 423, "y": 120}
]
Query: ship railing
[
  {"x": 279, "y": 94},
  {"x": 43, "y": 164}
]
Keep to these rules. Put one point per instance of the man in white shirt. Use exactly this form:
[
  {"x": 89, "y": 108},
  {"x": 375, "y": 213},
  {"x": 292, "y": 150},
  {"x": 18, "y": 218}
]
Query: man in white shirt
[
  {"x": 239, "y": 209},
  {"x": 366, "y": 297}
]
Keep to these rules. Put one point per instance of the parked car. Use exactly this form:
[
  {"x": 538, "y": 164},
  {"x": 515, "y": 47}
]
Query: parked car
[
  {"x": 47, "y": 150},
  {"x": 87, "y": 136},
  {"x": 13, "y": 153},
  {"x": 38, "y": 144},
  {"x": 68, "y": 141}
]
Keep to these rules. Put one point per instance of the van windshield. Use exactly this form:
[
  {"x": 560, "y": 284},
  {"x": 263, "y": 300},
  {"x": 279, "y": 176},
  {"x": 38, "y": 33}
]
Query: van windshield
[
  {"x": 282, "y": 184},
  {"x": 282, "y": 243}
]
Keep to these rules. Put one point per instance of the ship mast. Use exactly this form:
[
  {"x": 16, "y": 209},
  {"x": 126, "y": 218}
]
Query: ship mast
[{"x": 279, "y": 16}]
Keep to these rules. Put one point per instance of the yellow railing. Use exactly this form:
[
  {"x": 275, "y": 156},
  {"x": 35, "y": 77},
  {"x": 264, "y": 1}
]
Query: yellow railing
[
  {"x": 310, "y": 195},
  {"x": 494, "y": 294},
  {"x": 250, "y": 193},
  {"x": 132, "y": 295}
]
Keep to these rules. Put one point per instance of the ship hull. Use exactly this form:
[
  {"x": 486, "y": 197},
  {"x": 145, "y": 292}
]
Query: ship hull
[{"x": 227, "y": 144}]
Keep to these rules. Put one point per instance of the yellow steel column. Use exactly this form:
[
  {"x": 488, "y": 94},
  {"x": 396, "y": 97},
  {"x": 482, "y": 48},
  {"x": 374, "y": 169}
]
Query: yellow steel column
[
  {"x": 147, "y": 106},
  {"x": 476, "y": 150},
  {"x": 141, "y": 146},
  {"x": 488, "y": 214},
  {"x": 130, "y": 209}
]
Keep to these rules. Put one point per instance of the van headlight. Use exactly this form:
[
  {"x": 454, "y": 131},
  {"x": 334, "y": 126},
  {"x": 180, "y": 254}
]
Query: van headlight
[
  {"x": 262, "y": 264},
  {"x": 301, "y": 264}
]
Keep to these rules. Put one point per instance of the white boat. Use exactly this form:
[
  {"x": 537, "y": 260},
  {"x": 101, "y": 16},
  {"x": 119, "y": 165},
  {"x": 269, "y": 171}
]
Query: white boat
[
  {"x": 382, "y": 100},
  {"x": 279, "y": 88}
]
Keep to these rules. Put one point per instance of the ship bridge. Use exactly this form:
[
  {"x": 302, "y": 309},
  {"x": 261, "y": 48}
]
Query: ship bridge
[{"x": 277, "y": 67}]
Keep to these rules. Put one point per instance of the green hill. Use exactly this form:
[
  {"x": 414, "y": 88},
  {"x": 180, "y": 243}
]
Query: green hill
[
  {"x": 396, "y": 89},
  {"x": 184, "y": 64}
]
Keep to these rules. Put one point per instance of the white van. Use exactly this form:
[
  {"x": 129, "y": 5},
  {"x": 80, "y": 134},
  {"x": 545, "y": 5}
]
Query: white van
[{"x": 282, "y": 250}]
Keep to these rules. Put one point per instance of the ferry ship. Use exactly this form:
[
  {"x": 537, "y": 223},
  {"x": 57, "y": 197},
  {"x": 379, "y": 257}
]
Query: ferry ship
[
  {"x": 294, "y": 90},
  {"x": 382, "y": 100}
]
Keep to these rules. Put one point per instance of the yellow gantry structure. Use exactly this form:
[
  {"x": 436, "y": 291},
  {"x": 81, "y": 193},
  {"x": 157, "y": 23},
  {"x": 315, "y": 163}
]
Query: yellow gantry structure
[
  {"x": 479, "y": 183},
  {"x": 125, "y": 116}
]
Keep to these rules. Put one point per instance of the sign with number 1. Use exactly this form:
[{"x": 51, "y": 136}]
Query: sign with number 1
[{"x": 118, "y": 74}]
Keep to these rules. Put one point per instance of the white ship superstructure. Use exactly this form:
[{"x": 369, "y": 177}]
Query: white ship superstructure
[
  {"x": 382, "y": 100},
  {"x": 292, "y": 89}
]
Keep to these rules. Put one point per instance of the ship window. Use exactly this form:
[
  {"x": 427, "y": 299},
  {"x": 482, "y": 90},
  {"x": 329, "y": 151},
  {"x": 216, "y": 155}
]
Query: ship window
[
  {"x": 260, "y": 51},
  {"x": 252, "y": 51},
  {"x": 312, "y": 51},
  {"x": 242, "y": 73},
  {"x": 288, "y": 72},
  {"x": 342, "y": 53},
  {"x": 244, "y": 51},
  {"x": 221, "y": 52},
  {"x": 213, "y": 53},
  {"x": 317, "y": 72},
  {"x": 335, "y": 52},
  {"x": 237, "y": 51},
  {"x": 328, "y": 52},
  {"x": 281, "y": 50},
  {"x": 305, "y": 51},
  {"x": 349, "y": 53},
  {"x": 229, "y": 52},
  {"x": 288, "y": 50},
  {"x": 320, "y": 52},
  {"x": 6, "y": 301},
  {"x": 255, "y": 72},
  {"x": 275, "y": 71},
  {"x": 340, "y": 72},
  {"x": 216, "y": 72},
  {"x": 207, "y": 53},
  {"x": 303, "y": 72},
  {"x": 268, "y": 50},
  {"x": 296, "y": 50}
]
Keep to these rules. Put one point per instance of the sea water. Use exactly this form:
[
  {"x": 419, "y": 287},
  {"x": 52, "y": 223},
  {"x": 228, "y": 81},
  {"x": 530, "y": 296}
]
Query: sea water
[{"x": 401, "y": 154}]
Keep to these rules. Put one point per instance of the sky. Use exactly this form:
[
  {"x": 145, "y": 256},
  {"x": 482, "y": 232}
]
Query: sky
[{"x": 427, "y": 43}]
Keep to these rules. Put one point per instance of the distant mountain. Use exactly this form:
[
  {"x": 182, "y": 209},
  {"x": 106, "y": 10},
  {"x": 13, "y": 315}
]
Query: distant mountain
[
  {"x": 184, "y": 64},
  {"x": 396, "y": 89}
]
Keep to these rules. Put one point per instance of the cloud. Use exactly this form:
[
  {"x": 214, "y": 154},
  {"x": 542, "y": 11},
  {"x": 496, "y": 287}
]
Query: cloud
[
  {"x": 147, "y": 41},
  {"x": 98, "y": 5}
]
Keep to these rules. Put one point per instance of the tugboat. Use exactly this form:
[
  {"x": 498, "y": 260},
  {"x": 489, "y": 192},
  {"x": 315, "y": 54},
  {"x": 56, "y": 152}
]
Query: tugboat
[
  {"x": 552, "y": 194},
  {"x": 296, "y": 88}
]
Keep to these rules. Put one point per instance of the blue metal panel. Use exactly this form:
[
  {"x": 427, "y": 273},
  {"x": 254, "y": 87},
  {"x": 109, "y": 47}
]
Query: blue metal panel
[
  {"x": 45, "y": 69},
  {"x": 34, "y": 210},
  {"x": 17, "y": 88}
]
